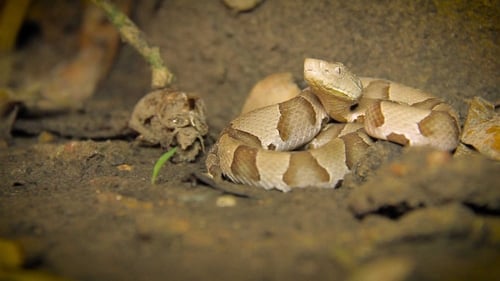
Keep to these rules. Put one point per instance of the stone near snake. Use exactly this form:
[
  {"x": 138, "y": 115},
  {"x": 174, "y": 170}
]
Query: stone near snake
[{"x": 332, "y": 121}]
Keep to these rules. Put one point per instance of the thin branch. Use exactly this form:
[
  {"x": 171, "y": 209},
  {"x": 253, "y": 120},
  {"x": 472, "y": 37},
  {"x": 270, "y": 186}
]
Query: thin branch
[{"x": 161, "y": 75}]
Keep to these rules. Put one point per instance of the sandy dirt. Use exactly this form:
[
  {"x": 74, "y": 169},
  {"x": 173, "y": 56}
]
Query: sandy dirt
[{"x": 82, "y": 205}]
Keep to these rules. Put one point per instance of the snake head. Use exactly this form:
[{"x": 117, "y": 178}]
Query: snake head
[{"x": 332, "y": 78}]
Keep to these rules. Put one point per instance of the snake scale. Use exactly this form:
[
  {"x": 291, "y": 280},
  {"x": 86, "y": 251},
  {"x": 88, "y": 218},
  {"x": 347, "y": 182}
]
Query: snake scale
[{"x": 315, "y": 138}]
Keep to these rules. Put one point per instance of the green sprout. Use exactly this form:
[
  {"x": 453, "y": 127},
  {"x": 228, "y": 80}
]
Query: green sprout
[{"x": 160, "y": 162}]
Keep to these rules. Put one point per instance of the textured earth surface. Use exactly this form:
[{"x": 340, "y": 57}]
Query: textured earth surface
[{"x": 82, "y": 205}]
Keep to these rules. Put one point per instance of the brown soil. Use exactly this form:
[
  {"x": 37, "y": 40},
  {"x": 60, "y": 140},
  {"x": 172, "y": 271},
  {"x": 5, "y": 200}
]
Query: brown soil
[{"x": 83, "y": 206}]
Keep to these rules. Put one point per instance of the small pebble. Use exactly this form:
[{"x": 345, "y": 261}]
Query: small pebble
[
  {"x": 125, "y": 167},
  {"x": 399, "y": 169},
  {"x": 46, "y": 137},
  {"x": 242, "y": 5},
  {"x": 225, "y": 201},
  {"x": 438, "y": 158}
]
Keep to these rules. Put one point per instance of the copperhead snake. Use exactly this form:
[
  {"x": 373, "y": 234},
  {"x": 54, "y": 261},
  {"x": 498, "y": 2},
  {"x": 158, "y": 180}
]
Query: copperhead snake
[{"x": 332, "y": 121}]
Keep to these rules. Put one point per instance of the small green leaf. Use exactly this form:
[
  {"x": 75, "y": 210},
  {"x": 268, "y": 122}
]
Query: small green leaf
[{"x": 160, "y": 162}]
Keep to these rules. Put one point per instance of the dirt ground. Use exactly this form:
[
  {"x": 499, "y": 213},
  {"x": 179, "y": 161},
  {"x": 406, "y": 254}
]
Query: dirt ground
[{"x": 82, "y": 206}]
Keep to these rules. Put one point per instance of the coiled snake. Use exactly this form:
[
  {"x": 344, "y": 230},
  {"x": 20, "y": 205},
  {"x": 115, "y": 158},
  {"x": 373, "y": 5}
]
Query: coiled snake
[{"x": 256, "y": 148}]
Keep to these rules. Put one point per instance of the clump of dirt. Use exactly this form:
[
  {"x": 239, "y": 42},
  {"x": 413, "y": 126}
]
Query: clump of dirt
[
  {"x": 424, "y": 178},
  {"x": 171, "y": 119}
]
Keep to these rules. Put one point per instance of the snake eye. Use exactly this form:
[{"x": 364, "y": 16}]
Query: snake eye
[{"x": 338, "y": 70}]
